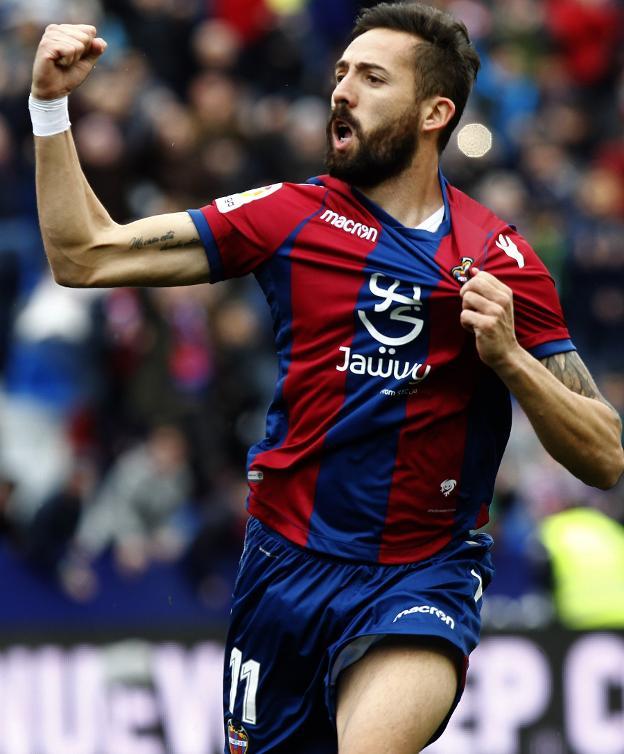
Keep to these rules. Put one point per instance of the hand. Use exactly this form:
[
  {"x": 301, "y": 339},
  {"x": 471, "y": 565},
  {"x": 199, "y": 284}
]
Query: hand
[
  {"x": 65, "y": 57},
  {"x": 487, "y": 311}
]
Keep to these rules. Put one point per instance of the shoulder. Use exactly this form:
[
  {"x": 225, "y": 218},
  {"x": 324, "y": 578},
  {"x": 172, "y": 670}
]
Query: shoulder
[
  {"x": 273, "y": 195},
  {"x": 470, "y": 212},
  {"x": 495, "y": 241},
  {"x": 337, "y": 191}
]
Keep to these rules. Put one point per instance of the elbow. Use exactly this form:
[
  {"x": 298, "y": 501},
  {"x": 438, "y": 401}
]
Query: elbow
[
  {"x": 68, "y": 278},
  {"x": 92, "y": 262},
  {"x": 612, "y": 472},
  {"x": 609, "y": 463},
  {"x": 65, "y": 278},
  {"x": 608, "y": 467},
  {"x": 66, "y": 271}
]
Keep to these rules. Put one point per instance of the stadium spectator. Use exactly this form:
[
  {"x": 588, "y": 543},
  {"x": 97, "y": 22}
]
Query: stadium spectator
[
  {"x": 133, "y": 511},
  {"x": 47, "y": 539}
]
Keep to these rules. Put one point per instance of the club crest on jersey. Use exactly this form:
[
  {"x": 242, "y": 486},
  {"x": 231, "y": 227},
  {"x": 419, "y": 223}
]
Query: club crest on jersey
[
  {"x": 229, "y": 203},
  {"x": 238, "y": 740},
  {"x": 460, "y": 271}
]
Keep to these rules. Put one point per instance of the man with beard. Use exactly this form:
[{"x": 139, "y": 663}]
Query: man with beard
[{"x": 404, "y": 315}]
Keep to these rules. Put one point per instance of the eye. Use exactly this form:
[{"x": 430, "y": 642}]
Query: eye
[
  {"x": 339, "y": 77},
  {"x": 372, "y": 79}
]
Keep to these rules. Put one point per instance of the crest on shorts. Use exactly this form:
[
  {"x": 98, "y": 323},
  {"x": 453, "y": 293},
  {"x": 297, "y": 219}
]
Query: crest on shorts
[
  {"x": 460, "y": 271},
  {"x": 238, "y": 740}
]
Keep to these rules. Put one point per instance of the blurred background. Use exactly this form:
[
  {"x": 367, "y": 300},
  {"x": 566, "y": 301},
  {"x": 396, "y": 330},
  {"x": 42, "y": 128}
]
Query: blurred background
[{"x": 125, "y": 415}]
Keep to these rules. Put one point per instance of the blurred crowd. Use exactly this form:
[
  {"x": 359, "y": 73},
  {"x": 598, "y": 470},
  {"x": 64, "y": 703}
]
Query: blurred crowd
[{"x": 125, "y": 414}]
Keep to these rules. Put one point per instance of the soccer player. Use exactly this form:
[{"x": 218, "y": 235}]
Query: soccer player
[{"x": 405, "y": 313}]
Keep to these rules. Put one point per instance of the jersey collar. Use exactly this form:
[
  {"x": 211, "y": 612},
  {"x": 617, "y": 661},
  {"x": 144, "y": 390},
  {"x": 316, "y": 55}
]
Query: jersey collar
[{"x": 384, "y": 217}]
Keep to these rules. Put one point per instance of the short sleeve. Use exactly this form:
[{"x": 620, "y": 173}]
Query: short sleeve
[
  {"x": 243, "y": 231},
  {"x": 539, "y": 322}
]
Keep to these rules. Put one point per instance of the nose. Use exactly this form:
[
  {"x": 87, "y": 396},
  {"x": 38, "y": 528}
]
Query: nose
[{"x": 344, "y": 93}]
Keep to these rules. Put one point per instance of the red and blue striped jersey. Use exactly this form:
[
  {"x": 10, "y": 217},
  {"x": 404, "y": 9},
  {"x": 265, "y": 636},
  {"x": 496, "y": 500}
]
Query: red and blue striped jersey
[{"x": 386, "y": 430}]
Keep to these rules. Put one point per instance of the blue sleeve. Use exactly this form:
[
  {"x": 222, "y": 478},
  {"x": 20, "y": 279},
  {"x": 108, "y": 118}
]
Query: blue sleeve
[
  {"x": 210, "y": 245},
  {"x": 544, "y": 350}
]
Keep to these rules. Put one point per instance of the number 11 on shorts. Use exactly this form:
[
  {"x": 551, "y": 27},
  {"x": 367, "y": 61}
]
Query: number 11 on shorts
[{"x": 248, "y": 671}]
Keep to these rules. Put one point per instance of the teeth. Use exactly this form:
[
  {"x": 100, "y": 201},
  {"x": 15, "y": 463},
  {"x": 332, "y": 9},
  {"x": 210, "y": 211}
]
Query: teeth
[{"x": 342, "y": 131}]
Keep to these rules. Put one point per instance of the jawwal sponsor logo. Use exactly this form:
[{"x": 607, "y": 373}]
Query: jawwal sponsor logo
[
  {"x": 398, "y": 307},
  {"x": 427, "y": 609},
  {"x": 349, "y": 226},
  {"x": 381, "y": 366}
]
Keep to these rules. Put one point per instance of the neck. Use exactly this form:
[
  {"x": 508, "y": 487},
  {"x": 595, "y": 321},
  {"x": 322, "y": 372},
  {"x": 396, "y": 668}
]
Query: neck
[{"x": 413, "y": 195}]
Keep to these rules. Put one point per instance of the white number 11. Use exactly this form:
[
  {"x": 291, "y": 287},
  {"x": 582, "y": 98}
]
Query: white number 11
[{"x": 249, "y": 671}]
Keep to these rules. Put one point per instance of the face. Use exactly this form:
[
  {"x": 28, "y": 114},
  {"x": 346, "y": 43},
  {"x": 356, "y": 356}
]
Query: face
[{"x": 372, "y": 133}]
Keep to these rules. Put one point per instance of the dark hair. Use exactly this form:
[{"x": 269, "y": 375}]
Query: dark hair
[{"x": 446, "y": 61}]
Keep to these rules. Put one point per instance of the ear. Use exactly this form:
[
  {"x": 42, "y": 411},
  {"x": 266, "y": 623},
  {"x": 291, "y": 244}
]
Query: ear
[{"x": 436, "y": 113}]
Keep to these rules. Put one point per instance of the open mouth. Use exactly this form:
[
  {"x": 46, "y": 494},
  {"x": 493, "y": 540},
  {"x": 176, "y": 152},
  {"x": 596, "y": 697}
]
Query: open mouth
[{"x": 343, "y": 133}]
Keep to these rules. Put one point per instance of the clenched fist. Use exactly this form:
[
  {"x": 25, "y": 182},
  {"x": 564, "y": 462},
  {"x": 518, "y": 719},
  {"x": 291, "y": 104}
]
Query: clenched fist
[
  {"x": 65, "y": 57},
  {"x": 487, "y": 311}
]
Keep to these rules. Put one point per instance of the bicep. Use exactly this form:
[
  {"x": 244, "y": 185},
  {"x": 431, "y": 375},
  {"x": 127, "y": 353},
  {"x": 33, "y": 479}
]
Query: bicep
[
  {"x": 570, "y": 370},
  {"x": 156, "y": 251}
]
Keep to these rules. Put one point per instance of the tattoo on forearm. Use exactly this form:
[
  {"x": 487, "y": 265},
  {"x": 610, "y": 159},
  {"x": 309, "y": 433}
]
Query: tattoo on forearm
[
  {"x": 569, "y": 369},
  {"x": 165, "y": 242}
]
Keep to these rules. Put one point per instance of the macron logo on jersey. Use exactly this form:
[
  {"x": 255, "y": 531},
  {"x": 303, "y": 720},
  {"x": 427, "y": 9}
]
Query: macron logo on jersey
[
  {"x": 349, "y": 226},
  {"x": 431, "y": 610}
]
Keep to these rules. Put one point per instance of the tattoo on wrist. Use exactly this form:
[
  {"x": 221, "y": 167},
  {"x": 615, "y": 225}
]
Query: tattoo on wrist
[{"x": 165, "y": 242}]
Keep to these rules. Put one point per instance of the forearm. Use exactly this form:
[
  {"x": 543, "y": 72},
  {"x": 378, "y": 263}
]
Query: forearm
[
  {"x": 70, "y": 217},
  {"x": 86, "y": 248},
  {"x": 580, "y": 432}
]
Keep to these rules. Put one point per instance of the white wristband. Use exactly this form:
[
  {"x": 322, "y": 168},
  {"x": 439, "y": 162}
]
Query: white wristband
[{"x": 49, "y": 116}]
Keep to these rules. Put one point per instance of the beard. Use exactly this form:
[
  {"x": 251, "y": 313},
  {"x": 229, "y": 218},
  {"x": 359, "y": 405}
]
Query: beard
[{"x": 382, "y": 154}]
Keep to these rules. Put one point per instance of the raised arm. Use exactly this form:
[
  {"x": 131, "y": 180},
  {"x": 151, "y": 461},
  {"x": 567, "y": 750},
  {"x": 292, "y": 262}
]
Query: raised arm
[
  {"x": 85, "y": 247},
  {"x": 574, "y": 422}
]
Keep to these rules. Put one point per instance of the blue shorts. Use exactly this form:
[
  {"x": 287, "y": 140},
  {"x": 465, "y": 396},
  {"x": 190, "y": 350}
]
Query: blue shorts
[{"x": 300, "y": 617}]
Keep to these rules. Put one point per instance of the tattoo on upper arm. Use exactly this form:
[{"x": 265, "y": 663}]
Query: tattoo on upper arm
[
  {"x": 569, "y": 369},
  {"x": 179, "y": 244},
  {"x": 165, "y": 242}
]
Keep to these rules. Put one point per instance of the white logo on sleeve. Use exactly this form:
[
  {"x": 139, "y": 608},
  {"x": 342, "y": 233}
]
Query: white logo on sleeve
[
  {"x": 228, "y": 203},
  {"x": 509, "y": 247}
]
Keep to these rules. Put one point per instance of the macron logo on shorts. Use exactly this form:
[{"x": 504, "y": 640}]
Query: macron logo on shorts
[{"x": 431, "y": 610}]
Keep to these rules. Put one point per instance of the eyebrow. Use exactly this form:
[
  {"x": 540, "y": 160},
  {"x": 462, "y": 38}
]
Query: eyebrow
[{"x": 342, "y": 63}]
